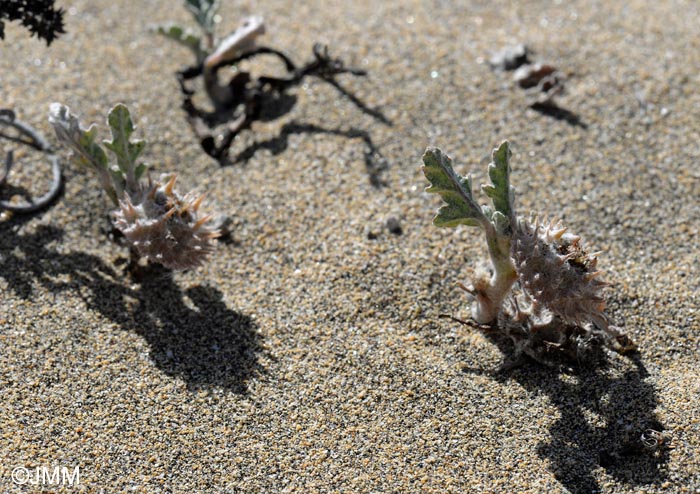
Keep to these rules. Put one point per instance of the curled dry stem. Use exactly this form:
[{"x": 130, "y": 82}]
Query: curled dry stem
[{"x": 29, "y": 136}]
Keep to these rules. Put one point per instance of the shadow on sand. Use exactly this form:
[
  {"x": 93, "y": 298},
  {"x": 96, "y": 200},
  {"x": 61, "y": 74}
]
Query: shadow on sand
[
  {"x": 192, "y": 334},
  {"x": 375, "y": 163},
  {"x": 269, "y": 101},
  {"x": 559, "y": 113},
  {"x": 621, "y": 442}
]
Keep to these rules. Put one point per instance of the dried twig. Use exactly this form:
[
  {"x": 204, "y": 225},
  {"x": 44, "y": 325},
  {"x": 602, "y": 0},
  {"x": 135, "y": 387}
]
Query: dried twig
[{"x": 28, "y": 136}]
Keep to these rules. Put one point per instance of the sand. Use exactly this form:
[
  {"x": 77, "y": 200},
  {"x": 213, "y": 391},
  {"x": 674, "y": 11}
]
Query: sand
[{"x": 308, "y": 356}]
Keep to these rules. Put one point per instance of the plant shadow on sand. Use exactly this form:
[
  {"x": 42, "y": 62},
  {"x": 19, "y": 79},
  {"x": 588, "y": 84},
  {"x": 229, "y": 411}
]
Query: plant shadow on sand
[
  {"x": 622, "y": 402},
  {"x": 375, "y": 164},
  {"x": 216, "y": 135},
  {"x": 192, "y": 334},
  {"x": 558, "y": 113}
]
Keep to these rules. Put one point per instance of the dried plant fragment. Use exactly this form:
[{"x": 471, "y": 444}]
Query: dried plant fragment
[
  {"x": 510, "y": 58},
  {"x": 542, "y": 82},
  {"x": 40, "y": 17},
  {"x": 25, "y": 134}
]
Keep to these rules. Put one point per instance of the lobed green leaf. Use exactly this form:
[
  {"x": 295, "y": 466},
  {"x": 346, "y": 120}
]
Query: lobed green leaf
[
  {"x": 500, "y": 190},
  {"x": 126, "y": 152},
  {"x": 204, "y": 12},
  {"x": 86, "y": 151},
  {"x": 460, "y": 207},
  {"x": 140, "y": 169},
  {"x": 183, "y": 36}
]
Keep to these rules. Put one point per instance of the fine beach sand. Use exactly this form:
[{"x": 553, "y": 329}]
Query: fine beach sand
[{"x": 308, "y": 356}]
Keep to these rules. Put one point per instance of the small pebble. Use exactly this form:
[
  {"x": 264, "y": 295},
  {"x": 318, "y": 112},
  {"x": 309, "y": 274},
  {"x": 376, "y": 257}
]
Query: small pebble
[{"x": 394, "y": 226}]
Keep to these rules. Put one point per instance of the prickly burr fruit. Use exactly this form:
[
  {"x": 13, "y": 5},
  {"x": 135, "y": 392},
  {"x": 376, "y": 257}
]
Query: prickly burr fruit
[
  {"x": 165, "y": 227},
  {"x": 556, "y": 273},
  {"x": 159, "y": 224},
  {"x": 544, "y": 290}
]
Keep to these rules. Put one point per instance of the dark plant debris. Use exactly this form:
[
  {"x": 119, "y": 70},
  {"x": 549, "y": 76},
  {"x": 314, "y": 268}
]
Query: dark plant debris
[
  {"x": 17, "y": 131},
  {"x": 40, "y": 17},
  {"x": 541, "y": 82},
  {"x": 510, "y": 57},
  {"x": 250, "y": 95}
]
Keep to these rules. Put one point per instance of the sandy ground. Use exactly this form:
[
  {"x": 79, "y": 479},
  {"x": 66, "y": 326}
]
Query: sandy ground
[{"x": 307, "y": 356}]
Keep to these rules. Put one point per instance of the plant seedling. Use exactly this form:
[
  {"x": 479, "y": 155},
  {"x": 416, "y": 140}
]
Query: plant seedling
[
  {"x": 159, "y": 224},
  {"x": 238, "y": 101},
  {"x": 558, "y": 308}
]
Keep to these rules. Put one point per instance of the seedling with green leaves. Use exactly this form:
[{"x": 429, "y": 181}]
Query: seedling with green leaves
[
  {"x": 544, "y": 291},
  {"x": 238, "y": 100},
  {"x": 158, "y": 223},
  {"x": 210, "y": 53}
]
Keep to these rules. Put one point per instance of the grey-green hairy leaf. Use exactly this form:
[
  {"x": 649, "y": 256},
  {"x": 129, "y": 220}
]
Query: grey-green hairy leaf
[
  {"x": 500, "y": 190},
  {"x": 204, "y": 12},
  {"x": 126, "y": 152},
  {"x": 183, "y": 36},
  {"x": 86, "y": 151},
  {"x": 456, "y": 191},
  {"x": 501, "y": 222},
  {"x": 461, "y": 208},
  {"x": 118, "y": 181},
  {"x": 140, "y": 169},
  {"x": 80, "y": 140}
]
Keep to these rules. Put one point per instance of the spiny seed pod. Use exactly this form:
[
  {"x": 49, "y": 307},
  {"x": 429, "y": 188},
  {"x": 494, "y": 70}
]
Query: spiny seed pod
[
  {"x": 559, "y": 281},
  {"x": 556, "y": 273},
  {"x": 160, "y": 224},
  {"x": 164, "y": 226}
]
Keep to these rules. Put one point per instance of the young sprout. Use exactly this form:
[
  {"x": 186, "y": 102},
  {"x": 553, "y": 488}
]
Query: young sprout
[
  {"x": 211, "y": 54},
  {"x": 238, "y": 97},
  {"x": 160, "y": 224},
  {"x": 204, "y": 13},
  {"x": 558, "y": 307}
]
